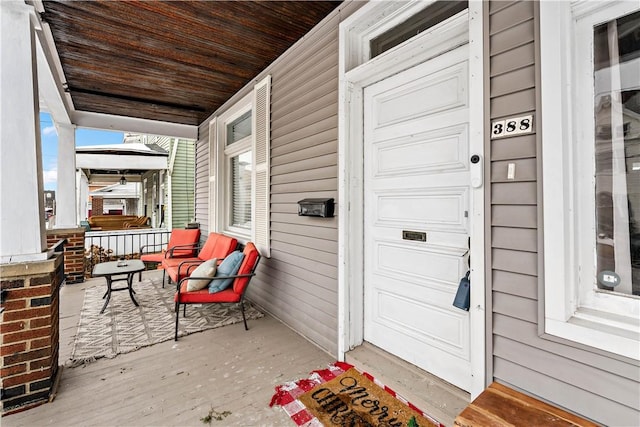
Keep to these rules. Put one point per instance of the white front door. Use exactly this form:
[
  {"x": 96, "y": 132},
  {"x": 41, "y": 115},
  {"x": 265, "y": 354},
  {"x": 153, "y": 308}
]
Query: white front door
[{"x": 417, "y": 215}]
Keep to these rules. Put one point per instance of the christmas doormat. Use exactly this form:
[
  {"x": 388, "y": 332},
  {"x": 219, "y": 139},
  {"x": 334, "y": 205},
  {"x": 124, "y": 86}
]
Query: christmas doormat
[
  {"x": 343, "y": 396},
  {"x": 123, "y": 327}
]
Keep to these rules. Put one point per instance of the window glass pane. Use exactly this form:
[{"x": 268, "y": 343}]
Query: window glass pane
[
  {"x": 617, "y": 153},
  {"x": 240, "y": 128},
  {"x": 421, "y": 21},
  {"x": 240, "y": 215}
]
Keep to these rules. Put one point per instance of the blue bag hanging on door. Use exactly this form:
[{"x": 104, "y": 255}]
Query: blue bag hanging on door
[{"x": 463, "y": 295}]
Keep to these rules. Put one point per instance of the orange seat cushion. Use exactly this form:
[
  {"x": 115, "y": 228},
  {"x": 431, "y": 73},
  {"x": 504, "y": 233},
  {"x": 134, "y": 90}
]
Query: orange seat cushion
[
  {"x": 203, "y": 296},
  {"x": 169, "y": 263},
  {"x": 249, "y": 261},
  {"x": 185, "y": 265},
  {"x": 157, "y": 257},
  {"x": 217, "y": 246},
  {"x": 178, "y": 237}
]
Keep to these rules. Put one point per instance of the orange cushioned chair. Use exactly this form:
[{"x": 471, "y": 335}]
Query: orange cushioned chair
[
  {"x": 217, "y": 246},
  {"x": 232, "y": 294},
  {"x": 186, "y": 239}
]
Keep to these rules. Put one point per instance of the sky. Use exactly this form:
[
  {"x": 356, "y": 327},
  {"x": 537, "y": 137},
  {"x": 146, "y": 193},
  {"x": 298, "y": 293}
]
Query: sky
[{"x": 84, "y": 137}]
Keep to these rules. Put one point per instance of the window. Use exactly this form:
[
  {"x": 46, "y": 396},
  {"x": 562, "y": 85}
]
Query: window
[
  {"x": 434, "y": 14},
  {"x": 616, "y": 103},
  {"x": 239, "y": 129},
  {"x": 239, "y": 169},
  {"x": 591, "y": 172},
  {"x": 238, "y": 162}
]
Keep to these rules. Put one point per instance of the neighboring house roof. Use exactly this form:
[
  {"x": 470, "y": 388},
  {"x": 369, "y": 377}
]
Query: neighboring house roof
[
  {"x": 129, "y": 148},
  {"x": 110, "y": 162}
]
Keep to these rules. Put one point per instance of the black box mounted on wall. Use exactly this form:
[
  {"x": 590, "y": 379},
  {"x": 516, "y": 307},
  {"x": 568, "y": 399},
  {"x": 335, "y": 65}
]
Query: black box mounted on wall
[{"x": 316, "y": 207}]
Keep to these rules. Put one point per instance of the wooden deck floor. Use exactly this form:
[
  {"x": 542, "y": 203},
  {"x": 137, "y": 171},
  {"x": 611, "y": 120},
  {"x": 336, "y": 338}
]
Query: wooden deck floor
[{"x": 177, "y": 384}]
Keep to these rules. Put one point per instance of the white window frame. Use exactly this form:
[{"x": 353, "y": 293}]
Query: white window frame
[
  {"x": 224, "y": 155},
  {"x": 574, "y": 310},
  {"x": 227, "y": 153},
  {"x": 258, "y": 101}
]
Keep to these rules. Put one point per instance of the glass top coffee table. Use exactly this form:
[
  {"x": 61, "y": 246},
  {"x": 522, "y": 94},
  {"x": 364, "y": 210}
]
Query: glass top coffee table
[{"x": 110, "y": 271}]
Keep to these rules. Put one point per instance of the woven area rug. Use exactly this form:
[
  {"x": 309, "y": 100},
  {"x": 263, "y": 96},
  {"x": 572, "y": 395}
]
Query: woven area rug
[
  {"x": 123, "y": 327},
  {"x": 344, "y": 396}
]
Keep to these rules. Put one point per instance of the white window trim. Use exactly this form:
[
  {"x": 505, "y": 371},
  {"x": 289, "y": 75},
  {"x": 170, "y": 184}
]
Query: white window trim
[
  {"x": 564, "y": 76},
  {"x": 259, "y": 143},
  {"x": 239, "y": 147},
  {"x": 213, "y": 172},
  {"x": 222, "y": 152},
  {"x": 261, "y": 170}
]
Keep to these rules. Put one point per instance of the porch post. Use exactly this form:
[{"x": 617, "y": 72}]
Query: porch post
[
  {"x": 21, "y": 203},
  {"x": 161, "y": 200},
  {"x": 30, "y": 279},
  {"x": 66, "y": 194}
]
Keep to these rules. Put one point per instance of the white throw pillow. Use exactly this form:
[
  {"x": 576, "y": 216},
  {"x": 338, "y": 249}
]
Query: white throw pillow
[{"x": 206, "y": 269}]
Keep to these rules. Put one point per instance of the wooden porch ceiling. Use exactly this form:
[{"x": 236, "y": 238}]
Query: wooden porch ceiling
[{"x": 172, "y": 61}]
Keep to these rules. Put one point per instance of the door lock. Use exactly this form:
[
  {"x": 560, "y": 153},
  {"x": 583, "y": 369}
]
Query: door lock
[{"x": 475, "y": 159}]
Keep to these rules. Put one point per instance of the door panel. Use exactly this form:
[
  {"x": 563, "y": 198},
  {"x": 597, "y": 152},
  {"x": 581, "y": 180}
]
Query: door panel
[
  {"x": 417, "y": 180},
  {"x": 425, "y": 152}
]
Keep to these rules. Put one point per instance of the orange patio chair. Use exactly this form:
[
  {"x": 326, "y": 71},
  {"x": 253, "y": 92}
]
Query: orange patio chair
[
  {"x": 217, "y": 246},
  {"x": 234, "y": 293},
  {"x": 182, "y": 243}
]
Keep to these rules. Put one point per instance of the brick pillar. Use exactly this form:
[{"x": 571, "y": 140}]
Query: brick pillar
[
  {"x": 29, "y": 332},
  {"x": 97, "y": 205},
  {"x": 73, "y": 251}
]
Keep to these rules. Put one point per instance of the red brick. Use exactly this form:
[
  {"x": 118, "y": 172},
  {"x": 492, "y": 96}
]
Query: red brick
[
  {"x": 32, "y": 291},
  {"x": 40, "y": 343},
  {"x": 27, "y": 314},
  {"x": 40, "y": 322},
  {"x": 26, "y": 335},
  {"x": 25, "y": 378},
  {"x": 12, "y": 349},
  {"x": 12, "y": 284},
  {"x": 42, "y": 363},
  {"x": 16, "y": 304},
  {"x": 13, "y": 370},
  {"x": 26, "y": 356},
  {"x": 42, "y": 280},
  {"x": 7, "y": 327}
]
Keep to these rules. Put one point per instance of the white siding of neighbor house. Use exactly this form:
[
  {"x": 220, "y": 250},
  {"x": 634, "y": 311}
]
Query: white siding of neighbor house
[
  {"x": 202, "y": 179},
  {"x": 594, "y": 384},
  {"x": 182, "y": 183},
  {"x": 298, "y": 284}
]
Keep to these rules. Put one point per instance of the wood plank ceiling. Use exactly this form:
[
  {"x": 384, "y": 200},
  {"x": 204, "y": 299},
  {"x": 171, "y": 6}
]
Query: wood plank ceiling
[{"x": 172, "y": 61}]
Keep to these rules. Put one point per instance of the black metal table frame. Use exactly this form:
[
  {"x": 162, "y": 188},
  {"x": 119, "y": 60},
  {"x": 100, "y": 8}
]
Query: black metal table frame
[{"x": 111, "y": 277}]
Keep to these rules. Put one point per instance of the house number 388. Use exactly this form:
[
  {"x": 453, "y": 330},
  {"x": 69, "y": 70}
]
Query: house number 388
[{"x": 512, "y": 126}]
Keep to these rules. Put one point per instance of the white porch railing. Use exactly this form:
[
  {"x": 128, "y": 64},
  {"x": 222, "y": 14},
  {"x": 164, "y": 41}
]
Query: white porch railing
[{"x": 103, "y": 246}]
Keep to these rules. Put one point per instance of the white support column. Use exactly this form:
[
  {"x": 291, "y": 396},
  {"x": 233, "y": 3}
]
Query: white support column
[
  {"x": 161, "y": 198},
  {"x": 82, "y": 196},
  {"x": 66, "y": 193},
  {"x": 22, "y": 228}
]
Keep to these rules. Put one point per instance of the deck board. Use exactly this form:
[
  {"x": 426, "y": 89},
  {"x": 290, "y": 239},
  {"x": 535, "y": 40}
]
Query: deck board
[
  {"x": 501, "y": 406},
  {"x": 170, "y": 384}
]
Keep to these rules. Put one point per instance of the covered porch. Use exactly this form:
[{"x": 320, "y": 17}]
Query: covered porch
[
  {"x": 224, "y": 369},
  {"x": 227, "y": 369},
  {"x": 176, "y": 383}
]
